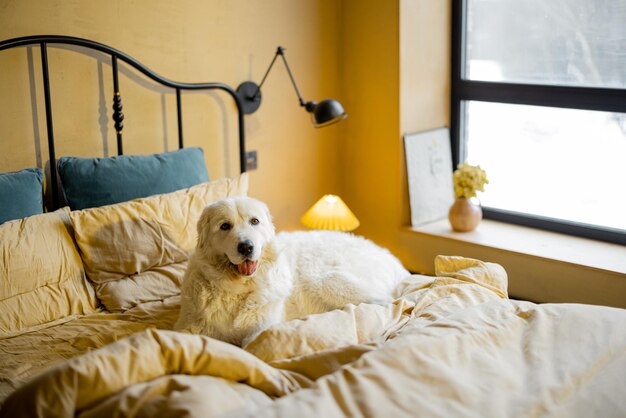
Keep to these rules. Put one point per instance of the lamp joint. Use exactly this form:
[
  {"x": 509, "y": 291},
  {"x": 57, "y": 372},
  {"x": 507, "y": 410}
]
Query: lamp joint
[{"x": 309, "y": 106}]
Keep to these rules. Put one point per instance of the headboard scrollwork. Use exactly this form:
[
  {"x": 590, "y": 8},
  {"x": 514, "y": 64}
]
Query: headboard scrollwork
[{"x": 118, "y": 116}]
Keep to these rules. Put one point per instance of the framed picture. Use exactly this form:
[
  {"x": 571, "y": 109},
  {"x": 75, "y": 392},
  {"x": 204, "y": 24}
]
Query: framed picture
[{"x": 429, "y": 171}]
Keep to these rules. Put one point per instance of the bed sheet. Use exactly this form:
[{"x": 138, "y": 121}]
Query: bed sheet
[
  {"x": 451, "y": 345},
  {"x": 39, "y": 348}
]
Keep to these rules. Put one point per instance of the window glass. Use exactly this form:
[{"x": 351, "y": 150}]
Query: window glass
[
  {"x": 559, "y": 163},
  {"x": 555, "y": 42}
]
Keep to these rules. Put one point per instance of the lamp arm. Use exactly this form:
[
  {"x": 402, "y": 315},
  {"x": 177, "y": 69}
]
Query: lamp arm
[
  {"x": 324, "y": 113},
  {"x": 293, "y": 81},
  {"x": 281, "y": 51}
]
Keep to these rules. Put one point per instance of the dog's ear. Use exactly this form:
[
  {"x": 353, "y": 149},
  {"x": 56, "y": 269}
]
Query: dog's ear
[
  {"x": 203, "y": 227},
  {"x": 268, "y": 216}
]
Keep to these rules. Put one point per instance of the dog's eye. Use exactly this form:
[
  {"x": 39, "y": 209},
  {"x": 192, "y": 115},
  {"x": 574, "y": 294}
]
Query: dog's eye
[
  {"x": 254, "y": 221},
  {"x": 225, "y": 226}
]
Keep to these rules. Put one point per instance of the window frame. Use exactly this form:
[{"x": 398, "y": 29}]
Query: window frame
[{"x": 570, "y": 97}]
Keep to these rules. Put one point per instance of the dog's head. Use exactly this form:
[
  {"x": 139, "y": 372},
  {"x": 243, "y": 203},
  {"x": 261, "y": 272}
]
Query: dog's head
[{"x": 234, "y": 233}]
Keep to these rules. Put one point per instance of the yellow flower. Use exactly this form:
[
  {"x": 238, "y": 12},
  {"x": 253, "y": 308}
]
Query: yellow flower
[{"x": 469, "y": 179}]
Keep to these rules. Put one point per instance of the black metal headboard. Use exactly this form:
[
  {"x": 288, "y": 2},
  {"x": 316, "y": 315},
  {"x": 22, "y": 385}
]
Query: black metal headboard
[{"x": 118, "y": 117}]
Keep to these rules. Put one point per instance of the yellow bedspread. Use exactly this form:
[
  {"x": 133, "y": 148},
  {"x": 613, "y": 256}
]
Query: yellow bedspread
[
  {"x": 38, "y": 348},
  {"x": 451, "y": 345}
]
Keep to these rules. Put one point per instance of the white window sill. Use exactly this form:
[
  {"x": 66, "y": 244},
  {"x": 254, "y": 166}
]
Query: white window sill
[{"x": 534, "y": 242}]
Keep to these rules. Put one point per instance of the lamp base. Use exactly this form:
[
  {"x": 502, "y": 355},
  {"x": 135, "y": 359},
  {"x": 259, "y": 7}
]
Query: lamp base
[{"x": 246, "y": 92}]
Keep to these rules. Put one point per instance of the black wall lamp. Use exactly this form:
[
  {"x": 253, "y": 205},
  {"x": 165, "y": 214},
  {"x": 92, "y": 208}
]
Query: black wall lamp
[{"x": 324, "y": 113}]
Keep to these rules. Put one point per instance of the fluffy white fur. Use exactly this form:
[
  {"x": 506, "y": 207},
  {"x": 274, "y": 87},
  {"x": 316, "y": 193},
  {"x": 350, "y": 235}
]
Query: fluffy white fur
[{"x": 243, "y": 278}]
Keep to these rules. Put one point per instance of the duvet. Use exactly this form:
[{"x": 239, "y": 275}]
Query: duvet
[{"x": 450, "y": 345}]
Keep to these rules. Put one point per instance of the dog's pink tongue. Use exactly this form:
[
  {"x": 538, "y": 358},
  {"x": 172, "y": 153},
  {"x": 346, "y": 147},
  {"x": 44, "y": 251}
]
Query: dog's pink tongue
[{"x": 247, "y": 268}]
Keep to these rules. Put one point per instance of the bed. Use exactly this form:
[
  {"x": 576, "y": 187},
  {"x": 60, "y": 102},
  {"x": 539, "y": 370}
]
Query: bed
[{"x": 89, "y": 293}]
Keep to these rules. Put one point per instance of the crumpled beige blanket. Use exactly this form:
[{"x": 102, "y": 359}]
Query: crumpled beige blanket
[{"x": 451, "y": 345}]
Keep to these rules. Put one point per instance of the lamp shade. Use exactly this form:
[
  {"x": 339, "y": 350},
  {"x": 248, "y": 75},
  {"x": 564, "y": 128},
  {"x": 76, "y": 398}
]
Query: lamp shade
[
  {"x": 327, "y": 112},
  {"x": 330, "y": 212}
]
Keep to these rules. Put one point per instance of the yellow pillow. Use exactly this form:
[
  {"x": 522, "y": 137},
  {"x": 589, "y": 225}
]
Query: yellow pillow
[
  {"x": 41, "y": 274},
  {"x": 491, "y": 276},
  {"x": 137, "y": 251}
]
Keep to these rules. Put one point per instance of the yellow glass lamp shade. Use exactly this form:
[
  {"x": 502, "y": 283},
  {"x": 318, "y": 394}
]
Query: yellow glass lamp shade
[{"x": 330, "y": 212}]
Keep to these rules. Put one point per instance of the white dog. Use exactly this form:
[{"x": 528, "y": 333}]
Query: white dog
[{"x": 242, "y": 278}]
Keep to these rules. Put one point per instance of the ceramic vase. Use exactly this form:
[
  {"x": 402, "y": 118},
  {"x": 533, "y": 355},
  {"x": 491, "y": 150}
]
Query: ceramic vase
[{"x": 465, "y": 215}]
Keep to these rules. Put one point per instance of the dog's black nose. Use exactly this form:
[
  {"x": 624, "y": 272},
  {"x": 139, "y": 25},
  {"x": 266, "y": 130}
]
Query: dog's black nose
[{"x": 245, "y": 248}]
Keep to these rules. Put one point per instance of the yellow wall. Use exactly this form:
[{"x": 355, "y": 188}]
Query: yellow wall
[
  {"x": 386, "y": 61},
  {"x": 194, "y": 41},
  {"x": 396, "y": 79},
  {"x": 370, "y": 145}
]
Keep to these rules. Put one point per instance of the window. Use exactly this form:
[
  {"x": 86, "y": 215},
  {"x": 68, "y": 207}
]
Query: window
[{"x": 539, "y": 102}]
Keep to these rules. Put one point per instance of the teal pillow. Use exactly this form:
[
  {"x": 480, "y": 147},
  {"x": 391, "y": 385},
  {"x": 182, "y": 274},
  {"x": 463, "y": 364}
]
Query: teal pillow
[
  {"x": 21, "y": 194},
  {"x": 92, "y": 182}
]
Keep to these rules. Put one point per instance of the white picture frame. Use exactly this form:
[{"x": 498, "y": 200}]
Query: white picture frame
[{"x": 429, "y": 172}]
